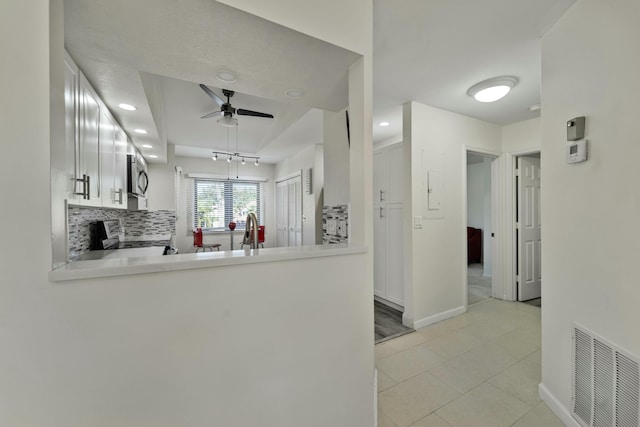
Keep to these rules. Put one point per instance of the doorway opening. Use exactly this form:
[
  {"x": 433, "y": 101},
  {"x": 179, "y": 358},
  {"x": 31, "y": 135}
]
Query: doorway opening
[{"x": 479, "y": 226}]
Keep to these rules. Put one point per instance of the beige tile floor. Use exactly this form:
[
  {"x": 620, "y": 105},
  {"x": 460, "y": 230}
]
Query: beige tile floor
[{"x": 478, "y": 369}]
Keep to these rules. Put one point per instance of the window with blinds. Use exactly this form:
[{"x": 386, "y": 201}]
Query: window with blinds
[{"x": 218, "y": 202}]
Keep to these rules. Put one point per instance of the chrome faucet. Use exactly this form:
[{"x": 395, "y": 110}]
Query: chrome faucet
[{"x": 251, "y": 227}]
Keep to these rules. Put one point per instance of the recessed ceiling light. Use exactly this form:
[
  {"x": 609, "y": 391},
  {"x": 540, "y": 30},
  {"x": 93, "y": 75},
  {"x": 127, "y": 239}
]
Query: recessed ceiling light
[
  {"x": 147, "y": 146},
  {"x": 493, "y": 89},
  {"x": 141, "y": 131},
  {"x": 226, "y": 76},
  {"x": 153, "y": 156},
  {"x": 383, "y": 124},
  {"x": 127, "y": 107},
  {"x": 295, "y": 93}
]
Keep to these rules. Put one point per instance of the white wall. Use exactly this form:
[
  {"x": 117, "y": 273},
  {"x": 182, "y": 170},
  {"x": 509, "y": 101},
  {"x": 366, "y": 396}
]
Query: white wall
[
  {"x": 228, "y": 346},
  {"x": 590, "y": 211},
  {"x": 162, "y": 196},
  {"x": 309, "y": 158},
  {"x": 521, "y": 136},
  {"x": 437, "y": 264}
]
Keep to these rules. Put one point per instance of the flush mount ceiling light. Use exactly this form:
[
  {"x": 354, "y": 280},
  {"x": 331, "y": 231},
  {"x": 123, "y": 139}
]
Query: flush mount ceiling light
[
  {"x": 294, "y": 93},
  {"x": 127, "y": 107},
  {"x": 226, "y": 76},
  {"x": 535, "y": 107},
  {"x": 493, "y": 89},
  {"x": 383, "y": 124},
  {"x": 153, "y": 156},
  {"x": 141, "y": 131},
  {"x": 147, "y": 146}
]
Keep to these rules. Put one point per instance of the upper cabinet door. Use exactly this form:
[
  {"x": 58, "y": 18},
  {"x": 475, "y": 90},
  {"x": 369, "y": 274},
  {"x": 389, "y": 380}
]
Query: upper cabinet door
[
  {"x": 89, "y": 133},
  {"x": 120, "y": 167},
  {"x": 395, "y": 182},
  {"x": 380, "y": 176},
  {"x": 388, "y": 180},
  {"x": 71, "y": 113},
  {"x": 107, "y": 160}
]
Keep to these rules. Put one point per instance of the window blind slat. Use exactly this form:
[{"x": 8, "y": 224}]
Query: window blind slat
[{"x": 218, "y": 202}]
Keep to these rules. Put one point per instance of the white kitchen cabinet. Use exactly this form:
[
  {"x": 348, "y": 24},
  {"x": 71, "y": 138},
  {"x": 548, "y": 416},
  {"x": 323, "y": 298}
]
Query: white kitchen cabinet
[
  {"x": 71, "y": 114},
  {"x": 88, "y": 155},
  {"x": 387, "y": 175},
  {"x": 388, "y": 224},
  {"x": 96, "y": 146},
  {"x": 113, "y": 157}
]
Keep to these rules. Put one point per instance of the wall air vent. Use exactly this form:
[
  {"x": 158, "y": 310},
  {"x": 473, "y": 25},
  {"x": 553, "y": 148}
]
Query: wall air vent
[{"x": 605, "y": 382}]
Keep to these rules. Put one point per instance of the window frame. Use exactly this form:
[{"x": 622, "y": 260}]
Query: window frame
[{"x": 228, "y": 194}]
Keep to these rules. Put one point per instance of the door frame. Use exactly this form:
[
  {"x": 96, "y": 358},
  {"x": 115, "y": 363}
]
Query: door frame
[
  {"x": 507, "y": 267},
  {"x": 504, "y": 257},
  {"x": 487, "y": 153}
]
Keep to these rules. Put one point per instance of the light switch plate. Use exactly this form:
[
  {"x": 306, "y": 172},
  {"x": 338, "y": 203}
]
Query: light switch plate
[{"x": 417, "y": 222}]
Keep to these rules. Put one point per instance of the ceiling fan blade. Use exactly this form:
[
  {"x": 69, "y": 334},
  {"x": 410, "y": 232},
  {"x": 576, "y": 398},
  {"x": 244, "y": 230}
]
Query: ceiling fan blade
[
  {"x": 206, "y": 116},
  {"x": 212, "y": 95},
  {"x": 242, "y": 112}
]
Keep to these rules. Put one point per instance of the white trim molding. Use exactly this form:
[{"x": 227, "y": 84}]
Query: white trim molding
[
  {"x": 421, "y": 323},
  {"x": 557, "y": 407}
]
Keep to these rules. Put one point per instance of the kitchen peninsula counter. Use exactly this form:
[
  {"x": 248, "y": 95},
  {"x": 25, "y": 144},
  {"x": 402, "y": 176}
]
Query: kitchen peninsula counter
[{"x": 120, "y": 266}]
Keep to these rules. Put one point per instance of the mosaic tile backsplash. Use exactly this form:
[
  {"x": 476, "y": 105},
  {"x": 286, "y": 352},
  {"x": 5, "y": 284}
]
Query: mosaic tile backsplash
[
  {"x": 136, "y": 225},
  {"x": 335, "y": 224}
]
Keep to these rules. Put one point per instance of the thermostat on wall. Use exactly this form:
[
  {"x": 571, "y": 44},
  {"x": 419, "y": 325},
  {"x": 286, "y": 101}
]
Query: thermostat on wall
[{"x": 577, "y": 151}]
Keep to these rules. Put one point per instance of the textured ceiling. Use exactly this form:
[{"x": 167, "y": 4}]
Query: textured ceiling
[
  {"x": 432, "y": 51},
  {"x": 153, "y": 53},
  {"x": 124, "y": 45}
]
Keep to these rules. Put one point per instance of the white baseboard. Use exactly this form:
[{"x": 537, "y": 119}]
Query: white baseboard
[
  {"x": 557, "y": 407},
  {"x": 421, "y": 323}
]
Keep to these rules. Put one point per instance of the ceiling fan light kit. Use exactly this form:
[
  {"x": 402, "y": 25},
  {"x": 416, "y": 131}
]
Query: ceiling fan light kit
[
  {"x": 493, "y": 89},
  {"x": 228, "y": 121}
]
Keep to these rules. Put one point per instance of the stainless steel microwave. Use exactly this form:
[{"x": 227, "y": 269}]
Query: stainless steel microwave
[{"x": 137, "y": 178}]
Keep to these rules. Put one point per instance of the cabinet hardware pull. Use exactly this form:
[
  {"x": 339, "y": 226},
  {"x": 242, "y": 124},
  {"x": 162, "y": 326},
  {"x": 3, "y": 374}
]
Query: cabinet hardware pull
[
  {"x": 85, "y": 186},
  {"x": 88, "y": 187},
  {"x": 381, "y": 212},
  {"x": 119, "y": 192},
  {"x": 382, "y": 195}
]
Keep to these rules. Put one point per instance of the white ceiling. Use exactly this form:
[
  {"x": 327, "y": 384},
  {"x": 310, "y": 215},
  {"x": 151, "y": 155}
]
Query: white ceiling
[
  {"x": 154, "y": 54},
  {"x": 429, "y": 51},
  {"x": 433, "y": 51}
]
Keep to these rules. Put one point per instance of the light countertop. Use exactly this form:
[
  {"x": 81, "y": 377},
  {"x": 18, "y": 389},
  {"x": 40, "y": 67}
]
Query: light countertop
[{"x": 145, "y": 260}]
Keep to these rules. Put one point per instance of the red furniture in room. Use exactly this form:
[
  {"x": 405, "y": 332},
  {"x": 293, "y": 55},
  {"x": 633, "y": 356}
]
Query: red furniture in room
[
  {"x": 260, "y": 236},
  {"x": 474, "y": 245},
  {"x": 198, "y": 244}
]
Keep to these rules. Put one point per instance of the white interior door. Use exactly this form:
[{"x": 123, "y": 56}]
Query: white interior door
[
  {"x": 295, "y": 211},
  {"x": 282, "y": 213},
  {"x": 289, "y": 211},
  {"x": 529, "y": 226}
]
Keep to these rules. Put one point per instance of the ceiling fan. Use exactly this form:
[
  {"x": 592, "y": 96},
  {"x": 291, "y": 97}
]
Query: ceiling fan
[{"x": 227, "y": 110}]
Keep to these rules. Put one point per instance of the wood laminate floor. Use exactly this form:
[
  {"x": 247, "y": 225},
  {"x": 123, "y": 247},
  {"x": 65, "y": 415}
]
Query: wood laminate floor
[{"x": 388, "y": 323}]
